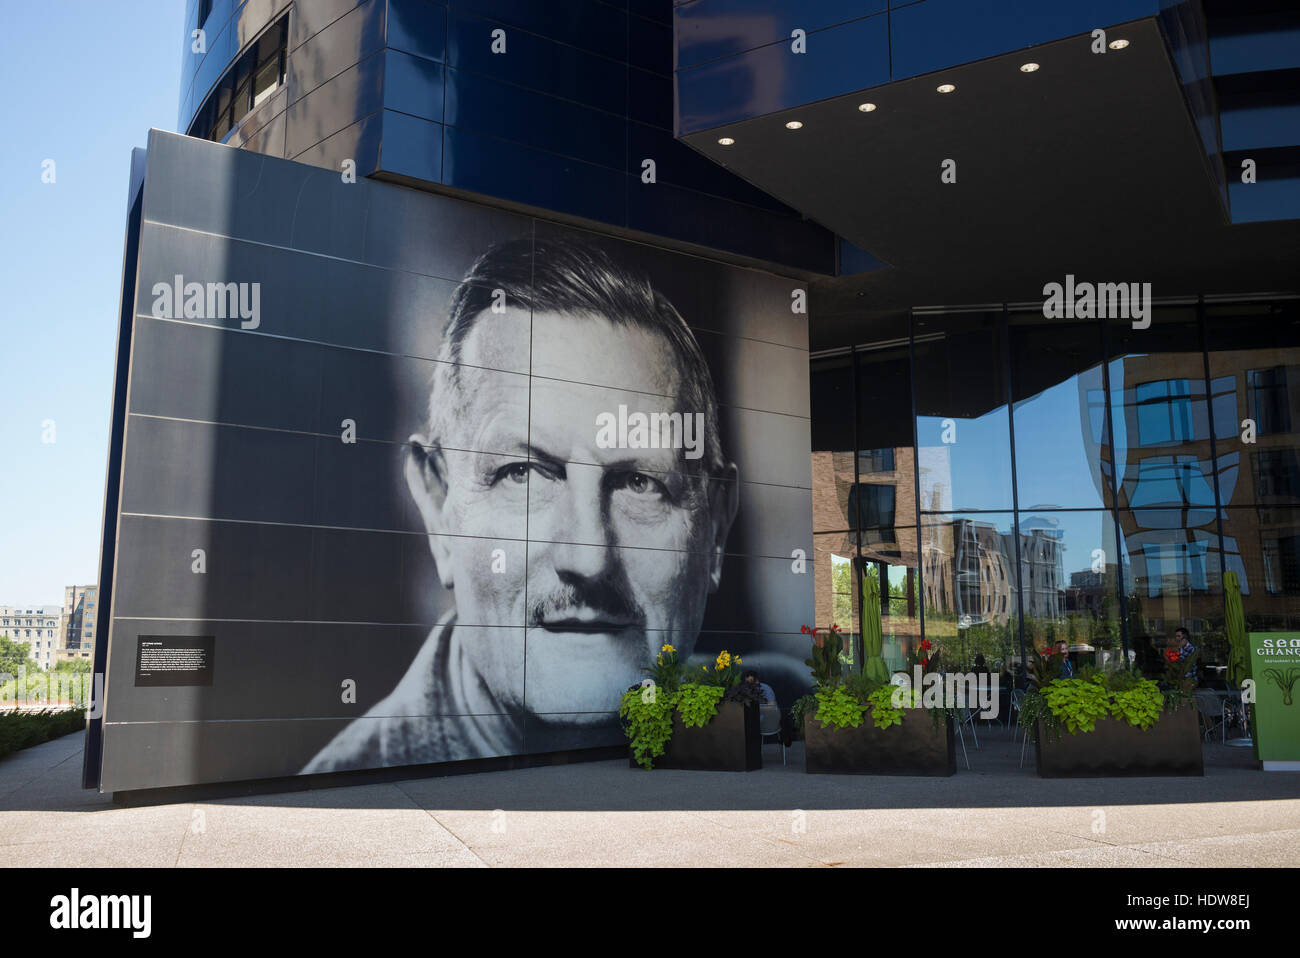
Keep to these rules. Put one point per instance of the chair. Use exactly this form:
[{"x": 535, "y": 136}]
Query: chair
[
  {"x": 1017, "y": 698},
  {"x": 1211, "y": 708},
  {"x": 961, "y": 737},
  {"x": 968, "y": 718},
  {"x": 769, "y": 723}
]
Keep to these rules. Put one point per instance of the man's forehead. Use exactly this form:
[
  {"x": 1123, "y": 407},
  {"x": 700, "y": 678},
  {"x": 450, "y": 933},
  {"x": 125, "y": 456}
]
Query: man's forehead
[
  {"x": 590, "y": 348},
  {"x": 498, "y": 340}
]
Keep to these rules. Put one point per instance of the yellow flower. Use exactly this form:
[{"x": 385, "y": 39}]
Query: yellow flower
[
  {"x": 704, "y": 668},
  {"x": 724, "y": 659},
  {"x": 667, "y": 648},
  {"x": 659, "y": 659},
  {"x": 738, "y": 660}
]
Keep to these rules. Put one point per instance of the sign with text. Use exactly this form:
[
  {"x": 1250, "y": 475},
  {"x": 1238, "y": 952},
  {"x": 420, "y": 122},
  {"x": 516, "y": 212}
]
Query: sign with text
[
  {"x": 164, "y": 660},
  {"x": 1275, "y": 667}
]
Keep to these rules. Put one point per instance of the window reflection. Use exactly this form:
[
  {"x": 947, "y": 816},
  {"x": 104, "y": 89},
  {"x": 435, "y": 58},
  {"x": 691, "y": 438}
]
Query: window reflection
[
  {"x": 962, "y": 426},
  {"x": 831, "y": 402},
  {"x": 835, "y": 586},
  {"x": 1255, "y": 350},
  {"x": 1059, "y": 413},
  {"x": 891, "y": 559},
  {"x": 970, "y": 588},
  {"x": 1174, "y": 579},
  {"x": 1104, "y": 417}
]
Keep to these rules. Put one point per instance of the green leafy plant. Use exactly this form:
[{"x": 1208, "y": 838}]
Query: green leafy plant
[
  {"x": 1077, "y": 703},
  {"x": 1034, "y": 710},
  {"x": 802, "y": 707},
  {"x": 19, "y": 730},
  {"x": 698, "y": 703},
  {"x": 839, "y": 708},
  {"x": 825, "y": 659},
  {"x": 1179, "y": 671},
  {"x": 649, "y": 715},
  {"x": 1140, "y": 705},
  {"x": 1045, "y": 666},
  {"x": 883, "y": 711}
]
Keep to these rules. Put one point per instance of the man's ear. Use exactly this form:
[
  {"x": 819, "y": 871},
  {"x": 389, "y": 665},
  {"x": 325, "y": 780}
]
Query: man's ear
[
  {"x": 724, "y": 501},
  {"x": 426, "y": 478}
]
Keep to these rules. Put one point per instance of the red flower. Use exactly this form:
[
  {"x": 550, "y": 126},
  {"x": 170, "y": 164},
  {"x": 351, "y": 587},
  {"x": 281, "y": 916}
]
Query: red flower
[
  {"x": 803, "y": 629},
  {"x": 924, "y": 663},
  {"x": 1171, "y": 655},
  {"x": 925, "y": 645}
]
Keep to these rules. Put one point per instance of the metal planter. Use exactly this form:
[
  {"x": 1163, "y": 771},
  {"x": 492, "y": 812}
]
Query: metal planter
[
  {"x": 1172, "y": 746},
  {"x": 919, "y": 746},
  {"x": 730, "y": 742}
]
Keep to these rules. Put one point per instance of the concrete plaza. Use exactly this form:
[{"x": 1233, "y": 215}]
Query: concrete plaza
[{"x": 604, "y": 813}]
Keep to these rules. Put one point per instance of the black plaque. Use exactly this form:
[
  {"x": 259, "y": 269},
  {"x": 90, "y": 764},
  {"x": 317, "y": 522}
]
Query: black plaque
[{"x": 167, "y": 660}]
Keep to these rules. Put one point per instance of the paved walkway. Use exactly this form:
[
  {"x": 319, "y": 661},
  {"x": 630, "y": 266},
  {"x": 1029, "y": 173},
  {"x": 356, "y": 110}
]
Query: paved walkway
[{"x": 604, "y": 813}]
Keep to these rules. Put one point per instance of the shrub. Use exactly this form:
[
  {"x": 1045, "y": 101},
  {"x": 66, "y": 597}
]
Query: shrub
[{"x": 19, "y": 730}]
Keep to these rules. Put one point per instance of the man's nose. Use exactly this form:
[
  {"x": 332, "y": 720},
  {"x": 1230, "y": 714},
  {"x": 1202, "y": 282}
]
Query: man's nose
[{"x": 583, "y": 540}]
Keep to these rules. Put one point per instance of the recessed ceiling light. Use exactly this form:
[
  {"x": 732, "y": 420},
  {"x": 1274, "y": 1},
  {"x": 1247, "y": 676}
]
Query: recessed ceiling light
[
  {"x": 794, "y": 125},
  {"x": 1118, "y": 44},
  {"x": 866, "y": 107},
  {"x": 1028, "y": 67},
  {"x": 725, "y": 141},
  {"x": 946, "y": 88}
]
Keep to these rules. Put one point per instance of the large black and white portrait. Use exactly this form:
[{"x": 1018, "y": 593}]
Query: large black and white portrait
[
  {"x": 453, "y": 489},
  {"x": 624, "y": 496}
]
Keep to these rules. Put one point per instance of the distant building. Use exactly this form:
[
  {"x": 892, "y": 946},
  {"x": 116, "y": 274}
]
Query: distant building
[
  {"x": 79, "y": 621},
  {"x": 38, "y": 626}
]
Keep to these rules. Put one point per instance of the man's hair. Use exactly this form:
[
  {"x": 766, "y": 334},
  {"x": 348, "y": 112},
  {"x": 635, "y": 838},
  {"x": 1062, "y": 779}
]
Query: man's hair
[
  {"x": 748, "y": 673},
  {"x": 1183, "y": 631},
  {"x": 572, "y": 277}
]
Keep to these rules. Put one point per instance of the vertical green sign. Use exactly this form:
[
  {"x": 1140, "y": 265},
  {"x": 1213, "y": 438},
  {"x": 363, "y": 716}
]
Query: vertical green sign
[{"x": 1275, "y": 667}]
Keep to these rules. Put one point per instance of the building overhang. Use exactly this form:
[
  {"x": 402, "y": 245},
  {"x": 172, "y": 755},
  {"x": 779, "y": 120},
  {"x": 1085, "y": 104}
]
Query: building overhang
[{"x": 1094, "y": 165}]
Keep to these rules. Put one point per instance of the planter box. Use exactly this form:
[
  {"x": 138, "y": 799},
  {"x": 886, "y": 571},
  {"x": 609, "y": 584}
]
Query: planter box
[
  {"x": 919, "y": 746},
  {"x": 1114, "y": 748},
  {"x": 730, "y": 742}
]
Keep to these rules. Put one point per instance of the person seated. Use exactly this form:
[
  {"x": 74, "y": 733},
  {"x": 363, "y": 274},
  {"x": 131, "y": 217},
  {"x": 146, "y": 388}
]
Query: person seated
[
  {"x": 1067, "y": 667},
  {"x": 769, "y": 696}
]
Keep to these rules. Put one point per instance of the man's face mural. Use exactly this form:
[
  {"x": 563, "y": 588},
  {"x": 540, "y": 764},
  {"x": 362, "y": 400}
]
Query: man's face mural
[{"x": 624, "y": 545}]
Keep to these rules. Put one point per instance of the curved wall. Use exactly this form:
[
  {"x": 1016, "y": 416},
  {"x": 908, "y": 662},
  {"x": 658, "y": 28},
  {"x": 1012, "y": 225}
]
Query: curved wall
[{"x": 554, "y": 106}]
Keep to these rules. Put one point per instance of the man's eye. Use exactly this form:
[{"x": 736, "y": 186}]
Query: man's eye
[
  {"x": 642, "y": 485},
  {"x": 516, "y": 472}
]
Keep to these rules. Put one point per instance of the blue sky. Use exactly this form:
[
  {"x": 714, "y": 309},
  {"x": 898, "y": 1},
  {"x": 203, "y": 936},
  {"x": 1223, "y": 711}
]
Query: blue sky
[{"x": 84, "y": 82}]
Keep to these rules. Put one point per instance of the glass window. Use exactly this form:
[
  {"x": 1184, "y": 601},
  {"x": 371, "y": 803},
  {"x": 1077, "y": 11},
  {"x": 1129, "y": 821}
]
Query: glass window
[
  {"x": 1059, "y": 413},
  {"x": 1255, "y": 352},
  {"x": 831, "y": 402},
  {"x": 266, "y": 82},
  {"x": 962, "y": 424},
  {"x": 971, "y": 589},
  {"x": 1173, "y": 577},
  {"x": 884, "y": 418},
  {"x": 836, "y": 589},
  {"x": 256, "y": 75},
  {"x": 871, "y": 506},
  {"x": 1160, "y": 415},
  {"x": 891, "y": 559}
]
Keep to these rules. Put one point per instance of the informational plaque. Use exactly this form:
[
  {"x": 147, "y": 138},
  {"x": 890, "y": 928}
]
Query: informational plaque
[{"x": 164, "y": 660}]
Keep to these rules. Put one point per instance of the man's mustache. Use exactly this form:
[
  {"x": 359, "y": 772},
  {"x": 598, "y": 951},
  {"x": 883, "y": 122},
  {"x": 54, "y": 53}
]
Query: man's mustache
[{"x": 599, "y": 602}]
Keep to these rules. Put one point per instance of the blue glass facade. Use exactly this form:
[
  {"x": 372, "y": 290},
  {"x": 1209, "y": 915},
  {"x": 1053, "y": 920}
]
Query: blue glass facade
[{"x": 554, "y": 106}]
